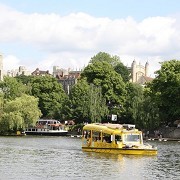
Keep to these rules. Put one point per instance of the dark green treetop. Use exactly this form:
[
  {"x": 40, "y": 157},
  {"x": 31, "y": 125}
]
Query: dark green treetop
[
  {"x": 51, "y": 95},
  {"x": 166, "y": 88}
]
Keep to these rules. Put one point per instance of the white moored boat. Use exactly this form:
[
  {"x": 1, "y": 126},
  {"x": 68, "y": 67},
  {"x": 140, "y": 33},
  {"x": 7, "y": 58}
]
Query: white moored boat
[{"x": 47, "y": 128}]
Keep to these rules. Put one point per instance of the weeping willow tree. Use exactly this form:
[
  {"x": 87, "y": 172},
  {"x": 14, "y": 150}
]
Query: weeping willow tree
[
  {"x": 19, "y": 113},
  {"x": 97, "y": 104},
  {"x": 141, "y": 109},
  {"x": 151, "y": 119},
  {"x": 87, "y": 102},
  {"x": 1, "y": 105}
]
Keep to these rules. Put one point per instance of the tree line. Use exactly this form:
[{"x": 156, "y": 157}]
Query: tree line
[{"x": 102, "y": 90}]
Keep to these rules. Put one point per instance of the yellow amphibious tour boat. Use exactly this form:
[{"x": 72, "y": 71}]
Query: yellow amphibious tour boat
[{"x": 115, "y": 138}]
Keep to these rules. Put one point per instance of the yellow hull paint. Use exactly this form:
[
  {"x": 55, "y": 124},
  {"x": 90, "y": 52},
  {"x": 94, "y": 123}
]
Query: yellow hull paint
[{"x": 127, "y": 151}]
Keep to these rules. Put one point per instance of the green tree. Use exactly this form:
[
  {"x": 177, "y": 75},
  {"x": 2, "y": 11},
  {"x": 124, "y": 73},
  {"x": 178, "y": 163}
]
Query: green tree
[
  {"x": 1, "y": 104},
  {"x": 79, "y": 100},
  {"x": 24, "y": 79},
  {"x": 105, "y": 57},
  {"x": 97, "y": 104},
  {"x": 140, "y": 107},
  {"x": 115, "y": 62},
  {"x": 166, "y": 89},
  {"x": 11, "y": 88},
  {"x": 123, "y": 71},
  {"x": 11, "y": 122},
  {"x": 133, "y": 103},
  {"x": 19, "y": 113},
  {"x": 51, "y": 96},
  {"x": 87, "y": 102},
  {"x": 150, "y": 114},
  {"x": 103, "y": 75}
]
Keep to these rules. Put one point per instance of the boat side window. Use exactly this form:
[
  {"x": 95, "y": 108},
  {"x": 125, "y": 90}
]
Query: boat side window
[
  {"x": 41, "y": 122},
  {"x": 118, "y": 139},
  {"x": 87, "y": 134},
  {"x": 132, "y": 137},
  {"x": 96, "y": 136},
  {"x": 106, "y": 138}
]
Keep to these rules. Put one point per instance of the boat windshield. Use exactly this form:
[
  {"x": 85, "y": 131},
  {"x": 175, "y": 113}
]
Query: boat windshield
[{"x": 132, "y": 138}]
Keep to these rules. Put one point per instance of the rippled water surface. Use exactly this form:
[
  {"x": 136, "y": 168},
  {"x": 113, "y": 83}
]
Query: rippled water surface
[{"x": 61, "y": 158}]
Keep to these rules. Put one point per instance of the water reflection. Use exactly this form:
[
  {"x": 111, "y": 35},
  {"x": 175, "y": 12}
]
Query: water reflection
[
  {"x": 117, "y": 157},
  {"x": 127, "y": 166}
]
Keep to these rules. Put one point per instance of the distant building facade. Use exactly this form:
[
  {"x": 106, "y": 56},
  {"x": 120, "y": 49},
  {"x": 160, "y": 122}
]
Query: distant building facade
[
  {"x": 23, "y": 71},
  {"x": 17, "y": 72},
  {"x": 66, "y": 77},
  {"x": 69, "y": 80},
  {"x": 67, "y": 83},
  {"x": 1, "y": 67},
  {"x": 39, "y": 72},
  {"x": 140, "y": 73},
  {"x": 59, "y": 72}
]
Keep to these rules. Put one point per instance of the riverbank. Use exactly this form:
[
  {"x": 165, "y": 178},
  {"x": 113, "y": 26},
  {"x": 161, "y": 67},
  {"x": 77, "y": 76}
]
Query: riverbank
[{"x": 162, "y": 139}]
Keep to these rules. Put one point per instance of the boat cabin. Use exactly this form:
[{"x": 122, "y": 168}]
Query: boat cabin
[
  {"x": 114, "y": 138},
  {"x": 112, "y": 133},
  {"x": 48, "y": 124},
  {"x": 47, "y": 127}
]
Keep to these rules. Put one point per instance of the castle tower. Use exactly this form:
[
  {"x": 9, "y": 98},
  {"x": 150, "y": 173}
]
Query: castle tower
[
  {"x": 1, "y": 67},
  {"x": 133, "y": 71},
  {"x": 147, "y": 69},
  {"x": 138, "y": 71}
]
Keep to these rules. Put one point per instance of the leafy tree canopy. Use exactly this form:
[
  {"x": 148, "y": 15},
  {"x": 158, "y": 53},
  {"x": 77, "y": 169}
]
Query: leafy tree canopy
[
  {"x": 123, "y": 71},
  {"x": 140, "y": 108},
  {"x": 103, "y": 75},
  {"x": 19, "y": 113},
  {"x": 166, "y": 87},
  {"x": 87, "y": 102},
  {"x": 105, "y": 57},
  {"x": 133, "y": 101},
  {"x": 24, "y": 79},
  {"x": 115, "y": 62},
  {"x": 11, "y": 88},
  {"x": 51, "y": 95}
]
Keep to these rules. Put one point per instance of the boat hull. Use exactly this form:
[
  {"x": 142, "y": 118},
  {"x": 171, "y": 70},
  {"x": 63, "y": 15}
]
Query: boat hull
[
  {"x": 46, "y": 133},
  {"x": 125, "y": 151}
]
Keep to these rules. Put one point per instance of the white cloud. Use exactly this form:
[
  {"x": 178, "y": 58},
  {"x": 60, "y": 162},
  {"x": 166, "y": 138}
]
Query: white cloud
[
  {"x": 70, "y": 41},
  {"x": 10, "y": 62}
]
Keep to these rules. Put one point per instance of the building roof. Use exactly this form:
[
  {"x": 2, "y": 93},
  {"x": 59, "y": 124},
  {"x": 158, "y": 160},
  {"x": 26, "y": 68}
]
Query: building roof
[
  {"x": 144, "y": 79},
  {"x": 38, "y": 72}
]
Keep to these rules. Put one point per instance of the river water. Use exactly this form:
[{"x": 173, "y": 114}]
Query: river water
[{"x": 61, "y": 158}]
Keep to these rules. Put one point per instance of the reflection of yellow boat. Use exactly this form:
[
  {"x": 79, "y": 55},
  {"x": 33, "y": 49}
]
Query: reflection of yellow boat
[{"x": 115, "y": 138}]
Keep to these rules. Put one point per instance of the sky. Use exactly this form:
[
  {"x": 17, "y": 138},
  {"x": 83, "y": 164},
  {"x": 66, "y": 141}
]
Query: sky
[{"x": 68, "y": 33}]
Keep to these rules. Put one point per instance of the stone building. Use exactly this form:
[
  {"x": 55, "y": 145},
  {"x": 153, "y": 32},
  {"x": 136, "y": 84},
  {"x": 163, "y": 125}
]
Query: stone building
[
  {"x": 17, "y": 72},
  {"x": 140, "y": 73},
  {"x": 59, "y": 72},
  {"x": 1, "y": 67},
  {"x": 67, "y": 83},
  {"x": 69, "y": 80},
  {"x": 38, "y": 72},
  {"x": 23, "y": 71}
]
